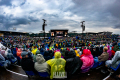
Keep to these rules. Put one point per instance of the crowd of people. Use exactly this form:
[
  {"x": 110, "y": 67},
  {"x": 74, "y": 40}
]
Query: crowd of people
[{"x": 69, "y": 55}]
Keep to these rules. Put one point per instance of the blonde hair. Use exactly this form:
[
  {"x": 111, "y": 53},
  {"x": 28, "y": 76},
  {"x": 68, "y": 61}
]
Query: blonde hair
[{"x": 105, "y": 49}]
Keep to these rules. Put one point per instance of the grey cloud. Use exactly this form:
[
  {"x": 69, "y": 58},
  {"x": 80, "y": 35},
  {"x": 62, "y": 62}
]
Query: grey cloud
[
  {"x": 50, "y": 15},
  {"x": 55, "y": 23},
  {"x": 5, "y": 2},
  {"x": 33, "y": 19},
  {"x": 117, "y": 26},
  {"x": 102, "y": 13},
  {"x": 24, "y": 21},
  {"x": 95, "y": 11},
  {"x": 1, "y": 18},
  {"x": 23, "y": 3},
  {"x": 114, "y": 9},
  {"x": 6, "y": 21}
]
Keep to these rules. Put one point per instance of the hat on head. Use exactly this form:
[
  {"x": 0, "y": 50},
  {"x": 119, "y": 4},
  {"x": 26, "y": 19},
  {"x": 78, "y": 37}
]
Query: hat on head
[{"x": 24, "y": 53}]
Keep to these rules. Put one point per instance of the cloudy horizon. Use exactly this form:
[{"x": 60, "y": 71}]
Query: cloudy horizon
[{"x": 27, "y": 15}]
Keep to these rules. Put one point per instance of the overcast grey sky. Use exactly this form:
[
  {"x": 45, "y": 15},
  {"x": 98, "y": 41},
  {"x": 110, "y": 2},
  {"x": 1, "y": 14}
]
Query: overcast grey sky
[{"x": 27, "y": 15}]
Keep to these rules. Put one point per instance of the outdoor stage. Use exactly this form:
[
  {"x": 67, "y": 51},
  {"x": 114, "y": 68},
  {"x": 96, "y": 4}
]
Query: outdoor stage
[{"x": 59, "y": 33}]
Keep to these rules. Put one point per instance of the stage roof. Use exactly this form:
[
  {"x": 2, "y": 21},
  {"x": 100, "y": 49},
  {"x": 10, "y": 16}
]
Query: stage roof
[{"x": 59, "y": 30}]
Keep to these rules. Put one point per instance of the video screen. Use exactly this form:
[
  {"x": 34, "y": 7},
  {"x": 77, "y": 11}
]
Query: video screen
[
  {"x": 59, "y": 32},
  {"x": 52, "y": 33}
]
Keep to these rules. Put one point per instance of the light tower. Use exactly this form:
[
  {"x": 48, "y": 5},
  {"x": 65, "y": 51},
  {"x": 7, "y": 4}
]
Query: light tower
[
  {"x": 83, "y": 27},
  {"x": 43, "y": 26}
]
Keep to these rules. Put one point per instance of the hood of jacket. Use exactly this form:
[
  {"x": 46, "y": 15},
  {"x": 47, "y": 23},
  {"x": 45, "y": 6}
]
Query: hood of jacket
[
  {"x": 86, "y": 52},
  {"x": 57, "y": 55},
  {"x": 40, "y": 59},
  {"x": 72, "y": 54}
]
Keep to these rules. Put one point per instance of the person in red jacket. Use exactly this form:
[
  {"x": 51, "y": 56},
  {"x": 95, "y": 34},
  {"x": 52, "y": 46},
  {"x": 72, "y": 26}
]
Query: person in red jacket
[{"x": 113, "y": 52}]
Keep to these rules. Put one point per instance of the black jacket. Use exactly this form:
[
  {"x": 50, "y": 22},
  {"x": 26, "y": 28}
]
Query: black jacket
[
  {"x": 66, "y": 55},
  {"x": 96, "y": 53},
  {"x": 27, "y": 64},
  {"x": 47, "y": 55},
  {"x": 101, "y": 50},
  {"x": 73, "y": 63}
]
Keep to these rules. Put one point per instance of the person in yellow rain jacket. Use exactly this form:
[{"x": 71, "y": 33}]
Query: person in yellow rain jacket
[
  {"x": 57, "y": 66},
  {"x": 57, "y": 44},
  {"x": 77, "y": 54},
  {"x": 50, "y": 48},
  {"x": 34, "y": 51}
]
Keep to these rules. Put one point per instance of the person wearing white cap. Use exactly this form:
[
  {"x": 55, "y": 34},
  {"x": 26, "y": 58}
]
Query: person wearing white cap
[{"x": 79, "y": 52}]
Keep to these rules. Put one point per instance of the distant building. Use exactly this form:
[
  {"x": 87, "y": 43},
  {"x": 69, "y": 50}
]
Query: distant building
[
  {"x": 4, "y": 33},
  {"x": 105, "y": 33}
]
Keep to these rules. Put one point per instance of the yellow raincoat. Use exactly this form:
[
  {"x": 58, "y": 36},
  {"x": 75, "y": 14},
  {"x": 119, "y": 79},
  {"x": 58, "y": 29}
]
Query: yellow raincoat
[
  {"x": 50, "y": 48},
  {"x": 77, "y": 53},
  {"x": 34, "y": 51},
  {"x": 57, "y": 45},
  {"x": 74, "y": 46},
  {"x": 57, "y": 65}
]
